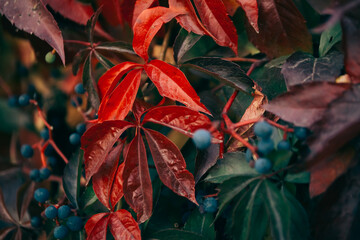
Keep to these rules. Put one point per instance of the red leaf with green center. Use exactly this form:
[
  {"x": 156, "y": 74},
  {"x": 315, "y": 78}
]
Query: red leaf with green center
[
  {"x": 170, "y": 165},
  {"x": 97, "y": 142},
  {"x": 104, "y": 178},
  {"x": 215, "y": 19},
  {"x": 96, "y": 226},
  {"x": 117, "y": 187},
  {"x": 109, "y": 80},
  {"x": 172, "y": 83},
  {"x": 140, "y": 6},
  {"x": 147, "y": 25},
  {"x": 181, "y": 119},
  {"x": 137, "y": 182},
  {"x": 116, "y": 105},
  {"x": 123, "y": 226}
]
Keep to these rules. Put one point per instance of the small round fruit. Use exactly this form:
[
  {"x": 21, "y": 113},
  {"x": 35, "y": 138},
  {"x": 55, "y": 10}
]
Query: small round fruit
[
  {"x": 77, "y": 102},
  {"x": 50, "y": 57},
  {"x": 52, "y": 161},
  {"x": 13, "y": 101},
  {"x": 263, "y": 129},
  {"x": 301, "y": 133},
  {"x": 45, "y": 173},
  {"x": 283, "y": 145},
  {"x": 36, "y": 222},
  {"x": 60, "y": 232},
  {"x": 263, "y": 165},
  {"x": 24, "y": 100},
  {"x": 51, "y": 212},
  {"x": 74, "y": 139},
  {"x": 202, "y": 138},
  {"x": 41, "y": 195},
  {"x": 79, "y": 88},
  {"x": 265, "y": 146},
  {"x": 74, "y": 223},
  {"x": 210, "y": 205},
  {"x": 26, "y": 151},
  {"x": 35, "y": 175},
  {"x": 248, "y": 155},
  {"x": 64, "y": 211},
  {"x": 81, "y": 128},
  {"x": 49, "y": 150},
  {"x": 44, "y": 134}
]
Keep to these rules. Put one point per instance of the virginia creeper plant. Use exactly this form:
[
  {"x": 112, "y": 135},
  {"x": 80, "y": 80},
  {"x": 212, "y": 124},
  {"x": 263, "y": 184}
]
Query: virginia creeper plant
[{"x": 180, "y": 119}]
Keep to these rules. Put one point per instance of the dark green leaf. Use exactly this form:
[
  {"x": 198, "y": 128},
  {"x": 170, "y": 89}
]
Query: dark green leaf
[
  {"x": 90, "y": 84},
  {"x": 78, "y": 60},
  {"x": 302, "y": 67},
  {"x": 329, "y": 38},
  {"x": 118, "y": 47},
  {"x": 88, "y": 197},
  {"x": 225, "y": 71},
  {"x": 103, "y": 60},
  {"x": 71, "y": 178},
  {"x": 90, "y": 25},
  {"x": 201, "y": 224},
  {"x": 302, "y": 177},
  {"x": 183, "y": 43},
  {"x": 176, "y": 234}
]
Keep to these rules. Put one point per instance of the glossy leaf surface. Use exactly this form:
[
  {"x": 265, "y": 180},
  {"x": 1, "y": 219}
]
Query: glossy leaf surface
[
  {"x": 139, "y": 7},
  {"x": 252, "y": 12},
  {"x": 117, "y": 186},
  {"x": 170, "y": 165},
  {"x": 172, "y": 83},
  {"x": 96, "y": 226},
  {"x": 123, "y": 226},
  {"x": 183, "y": 43}
]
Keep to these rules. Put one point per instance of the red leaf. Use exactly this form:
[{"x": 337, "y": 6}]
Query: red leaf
[
  {"x": 189, "y": 21},
  {"x": 33, "y": 17},
  {"x": 140, "y": 6},
  {"x": 96, "y": 226},
  {"x": 170, "y": 165},
  {"x": 112, "y": 11},
  {"x": 97, "y": 142},
  {"x": 117, "y": 187},
  {"x": 116, "y": 105},
  {"x": 123, "y": 226},
  {"x": 172, "y": 83},
  {"x": 214, "y": 17},
  {"x": 127, "y": 9},
  {"x": 252, "y": 12},
  {"x": 109, "y": 80},
  {"x": 231, "y": 6},
  {"x": 137, "y": 182},
  {"x": 179, "y": 118},
  {"x": 103, "y": 179},
  {"x": 139, "y": 108},
  {"x": 147, "y": 25}
]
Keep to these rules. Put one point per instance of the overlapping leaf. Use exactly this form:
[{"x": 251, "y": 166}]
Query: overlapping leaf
[
  {"x": 183, "y": 43},
  {"x": 96, "y": 226},
  {"x": 252, "y": 12},
  {"x": 123, "y": 226},
  {"x": 71, "y": 178},
  {"x": 139, "y": 7}
]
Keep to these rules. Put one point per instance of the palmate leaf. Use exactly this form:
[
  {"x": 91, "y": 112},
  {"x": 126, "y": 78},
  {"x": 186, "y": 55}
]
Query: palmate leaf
[{"x": 201, "y": 223}]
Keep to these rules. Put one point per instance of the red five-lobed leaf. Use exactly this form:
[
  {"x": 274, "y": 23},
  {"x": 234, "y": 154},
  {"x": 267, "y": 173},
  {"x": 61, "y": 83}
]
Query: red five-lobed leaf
[
  {"x": 96, "y": 226},
  {"x": 147, "y": 25},
  {"x": 171, "y": 165},
  {"x": 172, "y": 83},
  {"x": 104, "y": 178},
  {"x": 214, "y": 17},
  {"x": 137, "y": 182},
  {"x": 123, "y": 226},
  {"x": 116, "y": 105},
  {"x": 179, "y": 118},
  {"x": 109, "y": 80},
  {"x": 97, "y": 142},
  {"x": 252, "y": 12}
]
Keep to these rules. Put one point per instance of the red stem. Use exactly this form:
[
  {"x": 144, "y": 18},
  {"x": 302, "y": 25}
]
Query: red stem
[{"x": 58, "y": 151}]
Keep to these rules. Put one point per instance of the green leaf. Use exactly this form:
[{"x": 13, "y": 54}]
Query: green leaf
[
  {"x": 232, "y": 165},
  {"x": 176, "y": 234},
  {"x": 118, "y": 47},
  {"x": 183, "y": 43},
  {"x": 329, "y": 38},
  {"x": 201, "y": 224},
  {"x": 302, "y": 177},
  {"x": 71, "y": 178},
  {"x": 90, "y": 84},
  {"x": 103, "y": 60},
  {"x": 88, "y": 197},
  {"x": 225, "y": 71},
  {"x": 280, "y": 158}
]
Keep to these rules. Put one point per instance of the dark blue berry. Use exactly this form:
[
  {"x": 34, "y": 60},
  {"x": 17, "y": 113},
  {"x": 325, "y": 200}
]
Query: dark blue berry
[
  {"x": 263, "y": 129},
  {"x": 301, "y": 133},
  {"x": 60, "y": 232},
  {"x": 44, "y": 134},
  {"x": 283, "y": 145},
  {"x": 36, "y": 221},
  {"x": 265, "y": 146},
  {"x": 210, "y": 205},
  {"x": 51, "y": 212},
  {"x": 35, "y": 175},
  {"x": 81, "y": 128},
  {"x": 45, "y": 173},
  {"x": 202, "y": 138},
  {"x": 26, "y": 151},
  {"x": 64, "y": 211},
  {"x": 13, "y": 101},
  {"x": 74, "y": 223},
  {"x": 24, "y": 100},
  {"x": 49, "y": 150},
  {"x": 79, "y": 88},
  {"x": 248, "y": 155},
  {"x": 52, "y": 161},
  {"x": 263, "y": 165},
  {"x": 77, "y": 102},
  {"x": 41, "y": 195},
  {"x": 74, "y": 139}
]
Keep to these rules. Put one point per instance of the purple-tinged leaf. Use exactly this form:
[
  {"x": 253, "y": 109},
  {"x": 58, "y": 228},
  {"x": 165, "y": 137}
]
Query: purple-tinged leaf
[
  {"x": 90, "y": 84},
  {"x": 183, "y": 43},
  {"x": 205, "y": 159},
  {"x": 4, "y": 213}
]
